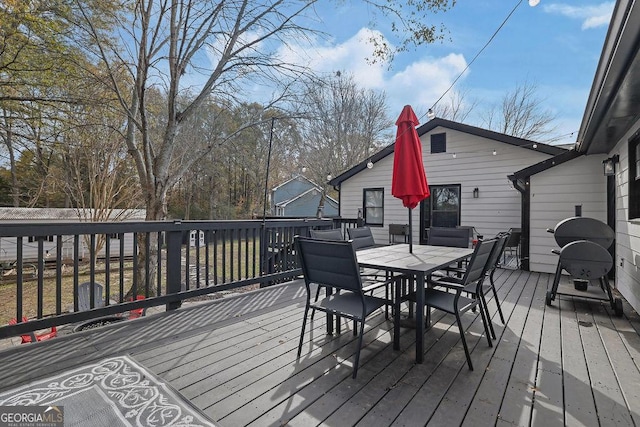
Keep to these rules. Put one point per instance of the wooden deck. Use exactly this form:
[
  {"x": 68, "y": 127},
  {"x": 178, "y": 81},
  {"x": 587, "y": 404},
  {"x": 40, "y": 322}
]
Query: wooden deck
[{"x": 574, "y": 363}]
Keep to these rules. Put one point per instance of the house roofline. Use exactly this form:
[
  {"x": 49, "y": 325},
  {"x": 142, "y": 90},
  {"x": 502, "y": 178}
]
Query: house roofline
[
  {"x": 461, "y": 127},
  {"x": 617, "y": 58},
  {"x": 293, "y": 178},
  {"x": 299, "y": 196},
  {"x": 545, "y": 165}
]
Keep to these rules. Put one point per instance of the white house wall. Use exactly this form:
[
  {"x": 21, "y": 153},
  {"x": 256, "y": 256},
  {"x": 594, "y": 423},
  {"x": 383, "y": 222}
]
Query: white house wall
[
  {"x": 498, "y": 206},
  {"x": 554, "y": 196},
  {"x": 627, "y": 262}
]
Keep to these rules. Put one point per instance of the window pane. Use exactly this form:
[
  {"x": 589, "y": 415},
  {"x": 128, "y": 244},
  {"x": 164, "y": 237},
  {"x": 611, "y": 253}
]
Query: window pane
[
  {"x": 439, "y": 143},
  {"x": 446, "y": 198},
  {"x": 373, "y": 198},
  {"x": 445, "y": 206},
  {"x": 374, "y": 216},
  {"x": 374, "y": 206}
]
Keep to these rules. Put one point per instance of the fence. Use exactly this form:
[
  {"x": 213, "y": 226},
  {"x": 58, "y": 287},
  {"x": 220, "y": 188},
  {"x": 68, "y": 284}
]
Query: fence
[{"x": 43, "y": 265}]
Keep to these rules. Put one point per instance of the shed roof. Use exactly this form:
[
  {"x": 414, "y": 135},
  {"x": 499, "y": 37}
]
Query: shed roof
[{"x": 63, "y": 214}]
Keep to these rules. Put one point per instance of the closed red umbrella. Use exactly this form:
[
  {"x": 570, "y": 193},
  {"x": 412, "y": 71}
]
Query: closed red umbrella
[{"x": 409, "y": 181}]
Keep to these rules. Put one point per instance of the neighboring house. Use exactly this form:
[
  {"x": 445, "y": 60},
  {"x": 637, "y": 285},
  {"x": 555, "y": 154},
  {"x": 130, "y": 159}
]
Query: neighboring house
[
  {"x": 467, "y": 169},
  {"x": 300, "y": 197},
  {"x": 610, "y": 131}
]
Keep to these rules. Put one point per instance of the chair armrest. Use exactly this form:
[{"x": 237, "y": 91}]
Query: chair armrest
[
  {"x": 447, "y": 282},
  {"x": 378, "y": 284}
]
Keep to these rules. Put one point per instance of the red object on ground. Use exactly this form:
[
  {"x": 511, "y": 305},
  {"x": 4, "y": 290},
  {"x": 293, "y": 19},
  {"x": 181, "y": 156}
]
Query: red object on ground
[
  {"x": 409, "y": 181},
  {"x": 27, "y": 338},
  {"x": 136, "y": 312}
]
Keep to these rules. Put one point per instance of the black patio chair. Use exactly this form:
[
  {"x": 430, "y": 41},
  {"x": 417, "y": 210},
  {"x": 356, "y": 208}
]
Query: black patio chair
[
  {"x": 501, "y": 239},
  {"x": 334, "y": 234},
  {"x": 446, "y": 293},
  {"x": 513, "y": 246},
  {"x": 331, "y": 234},
  {"x": 362, "y": 237},
  {"x": 333, "y": 264},
  {"x": 446, "y": 236}
]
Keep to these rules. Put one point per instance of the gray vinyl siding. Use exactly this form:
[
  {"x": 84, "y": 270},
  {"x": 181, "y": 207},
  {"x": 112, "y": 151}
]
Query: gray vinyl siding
[
  {"x": 499, "y": 205},
  {"x": 627, "y": 262},
  {"x": 554, "y": 195}
]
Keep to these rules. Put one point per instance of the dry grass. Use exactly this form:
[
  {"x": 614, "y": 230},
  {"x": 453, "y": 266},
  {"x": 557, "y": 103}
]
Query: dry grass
[
  {"x": 240, "y": 268},
  {"x": 30, "y": 290}
]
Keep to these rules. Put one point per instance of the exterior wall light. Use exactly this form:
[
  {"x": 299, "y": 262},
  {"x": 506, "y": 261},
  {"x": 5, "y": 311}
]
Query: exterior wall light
[
  {"x": 609, "y": 165},
  {"x": 476, "y": 193}
]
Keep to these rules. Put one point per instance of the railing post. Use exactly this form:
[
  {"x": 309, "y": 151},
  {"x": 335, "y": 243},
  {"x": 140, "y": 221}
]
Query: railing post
[{"x": 174, "y": 267}]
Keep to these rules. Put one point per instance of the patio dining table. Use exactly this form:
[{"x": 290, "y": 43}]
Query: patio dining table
[{"x": 424, "y": 260}]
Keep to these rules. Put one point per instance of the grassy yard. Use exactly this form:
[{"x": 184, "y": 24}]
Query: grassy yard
[
  {"x": 235, "y": 264},
  {"x": 30, "y": 290}
]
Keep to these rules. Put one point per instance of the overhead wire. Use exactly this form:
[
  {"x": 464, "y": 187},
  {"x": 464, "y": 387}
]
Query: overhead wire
[{"x": 495, "y": 33}]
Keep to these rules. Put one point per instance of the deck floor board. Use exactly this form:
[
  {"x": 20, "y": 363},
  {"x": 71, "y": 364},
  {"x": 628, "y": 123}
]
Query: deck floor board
[{"x": 572, "y": 363}]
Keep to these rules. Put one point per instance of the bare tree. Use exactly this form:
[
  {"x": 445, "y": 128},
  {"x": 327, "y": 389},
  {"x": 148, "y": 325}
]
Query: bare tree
[
  {"x": 345, "y": 124},
  {"x": 224, "y": 48},
  {"x": 521, "y": 114},
  {"x": 456, "y": 107}
]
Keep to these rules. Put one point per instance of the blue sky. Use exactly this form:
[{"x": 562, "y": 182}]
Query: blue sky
[{"x": 555, "y": 45}]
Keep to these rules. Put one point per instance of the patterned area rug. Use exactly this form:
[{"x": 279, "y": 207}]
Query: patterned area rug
[{"x": 113, "y": 392}]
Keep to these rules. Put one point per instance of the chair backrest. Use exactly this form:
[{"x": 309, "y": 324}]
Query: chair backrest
[
  {"x": 330, "y": 263},
  {"x": 361, "y": 236},
  {"x": 84, "y": 296},
  {"x": 333, "y": 234},
  {"x": 586, "y": 260},
  {"x": 401, "y": 230},
  {"x": 445, "y": 236},
  {"x": 501, "y": 244},
  {"x": 514, "y": 238},
  {"x": 480, "y": 260}
]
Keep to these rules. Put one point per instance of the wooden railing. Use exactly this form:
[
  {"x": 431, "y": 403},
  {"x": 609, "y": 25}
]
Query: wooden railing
[{"x": 43, "y": 265}]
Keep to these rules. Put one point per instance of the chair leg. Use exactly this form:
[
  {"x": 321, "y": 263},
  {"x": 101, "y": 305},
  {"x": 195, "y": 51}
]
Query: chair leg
[
  {"x": 464, "y": 341},
  {"x": 313, "y": 312},
  {"x": 486, "y": 322},
  {"x": 357, "y": 361},
  {"x": 484, "y": 307},
  {"x": 495, "y": 296},
  {"x": 304, "y": 325}
]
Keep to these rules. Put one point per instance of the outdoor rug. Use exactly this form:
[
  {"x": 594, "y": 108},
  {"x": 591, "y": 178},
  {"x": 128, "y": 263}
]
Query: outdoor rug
[{"x": 113, "y": 392}]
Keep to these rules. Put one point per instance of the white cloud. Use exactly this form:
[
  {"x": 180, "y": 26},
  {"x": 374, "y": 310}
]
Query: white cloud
[
  {"x": 351, "y": 55},
  {"x": 591, "y": 16},
  {"x": 419, "y": 83}
]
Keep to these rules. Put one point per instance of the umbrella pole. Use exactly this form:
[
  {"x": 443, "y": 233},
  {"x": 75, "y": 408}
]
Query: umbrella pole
[{"x": 410, "y": 233}]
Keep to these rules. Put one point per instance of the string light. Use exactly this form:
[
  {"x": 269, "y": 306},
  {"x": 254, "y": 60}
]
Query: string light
[{"x": 369, "y": 164}]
